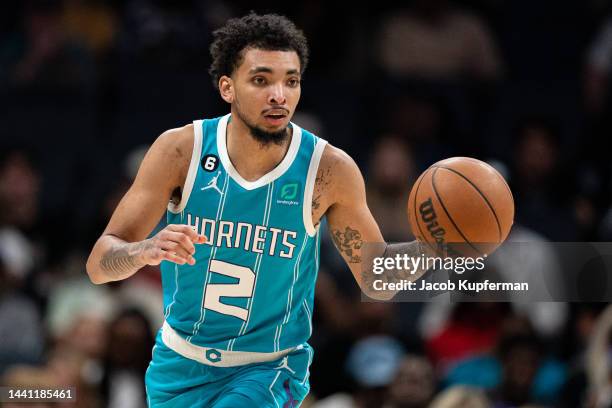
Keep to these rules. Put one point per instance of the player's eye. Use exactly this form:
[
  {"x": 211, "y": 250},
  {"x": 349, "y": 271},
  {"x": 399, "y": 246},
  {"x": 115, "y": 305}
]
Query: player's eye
[
  {"x": 259, "y": 80},
  {"x": 293, "y": 82}
]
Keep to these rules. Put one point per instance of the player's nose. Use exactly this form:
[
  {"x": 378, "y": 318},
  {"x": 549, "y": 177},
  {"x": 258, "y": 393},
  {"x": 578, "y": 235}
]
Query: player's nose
[{"x": 277, "y": 95}]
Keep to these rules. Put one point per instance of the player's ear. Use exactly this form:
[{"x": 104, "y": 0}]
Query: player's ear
[{"x": 226, "y": 89}]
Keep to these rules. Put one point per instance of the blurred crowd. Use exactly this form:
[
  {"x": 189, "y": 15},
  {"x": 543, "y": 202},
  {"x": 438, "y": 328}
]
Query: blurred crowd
[{"x": 87, "y": 85}]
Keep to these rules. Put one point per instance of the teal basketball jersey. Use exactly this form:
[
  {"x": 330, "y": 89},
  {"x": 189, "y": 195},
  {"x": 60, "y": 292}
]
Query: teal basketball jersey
[{"x": 252, "y": 286}]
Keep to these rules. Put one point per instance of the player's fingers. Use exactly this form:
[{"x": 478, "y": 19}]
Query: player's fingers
[
  {"x": 201, "y": 239},
  {"x": 176, "y": 248},
  {"x": 180, "y": 238},
  {"x": 185, "y": 229},
  {"x": 169, "y": 256}
]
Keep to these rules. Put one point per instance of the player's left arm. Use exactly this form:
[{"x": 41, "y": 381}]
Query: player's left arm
[{"x": 341, "y": 189}]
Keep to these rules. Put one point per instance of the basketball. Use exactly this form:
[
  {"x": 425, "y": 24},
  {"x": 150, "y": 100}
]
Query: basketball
[{"x": 462, "y": 204}]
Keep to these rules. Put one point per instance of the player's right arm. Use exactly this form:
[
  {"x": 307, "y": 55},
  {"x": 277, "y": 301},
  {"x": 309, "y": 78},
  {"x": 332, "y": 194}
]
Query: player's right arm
[{"x": 123, "y": 247}]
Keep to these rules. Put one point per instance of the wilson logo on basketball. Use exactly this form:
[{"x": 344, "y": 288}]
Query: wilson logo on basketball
[{"x": 428, "y": 215}]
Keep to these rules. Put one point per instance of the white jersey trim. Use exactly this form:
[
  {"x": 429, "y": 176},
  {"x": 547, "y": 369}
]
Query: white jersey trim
[
  {"x": 310, "y": 183},
  {"x": 193, "y": 169},
  {"x": 220, "y": 358},
  {"x": 266, "y": 178}
]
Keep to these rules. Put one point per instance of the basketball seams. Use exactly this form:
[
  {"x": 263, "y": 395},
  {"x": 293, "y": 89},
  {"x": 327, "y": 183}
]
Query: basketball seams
[
  {"x": 480, "y": 193},
  {"x": 499, "y": 176},
  {"x": 435, "y": 190},
  {"x": 416, "y": 218},
  {"x": 504, "y": 182}
]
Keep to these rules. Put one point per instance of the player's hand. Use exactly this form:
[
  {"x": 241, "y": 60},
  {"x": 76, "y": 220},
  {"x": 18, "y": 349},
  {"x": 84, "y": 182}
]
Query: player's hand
[{"x": 175, "y": 243}]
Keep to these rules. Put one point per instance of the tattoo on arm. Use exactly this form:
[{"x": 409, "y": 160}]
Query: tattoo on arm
[
  {"x": 322, "y": 180},
  {"x": 315, "y": 202},
  {"x": 123, "y": 260},
  {"x": 349, "y": 243}
]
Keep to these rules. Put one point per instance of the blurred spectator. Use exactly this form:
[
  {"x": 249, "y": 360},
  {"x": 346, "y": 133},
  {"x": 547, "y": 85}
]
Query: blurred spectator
[
  {"x": 517, "y": 371},
  {"x": 144, "y": 294},
  {"x": 391, "y": 175},
  {"x": 69, "y": 367},
  {"x": 20, "y": 321},
  {"x": 101, "y": 206},
  {"x": 599, "y": 362},
  {"x": 19, "y": 187},
  {"x": 20, "y": 324},
  {"x": 580, "y": 331},
  {"x": 333, "y": 304},
  {"x": 461, "y": 397},
  {"x": 343, "y": 318},
  {"x": 78, "y": 315},
  {"x": 541, "y": 186},
  {"x": 520, "y": 357},
  {"x": 127, "y": 357},
  {"x": 472, "y": 328},
  {"x": 372, "y": 363},
  {"x": 19, "y": 200},
  {"x": 529, "y": 257},
  {"x": 17, "y": 252},
  {"x": 414, "y": 384},
  {"x": 436, "y": 40}
]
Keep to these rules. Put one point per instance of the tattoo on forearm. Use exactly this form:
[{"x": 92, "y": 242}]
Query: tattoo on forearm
[
  {"x": 117, "y": 262},
  {"x": 349, "y": 243}
]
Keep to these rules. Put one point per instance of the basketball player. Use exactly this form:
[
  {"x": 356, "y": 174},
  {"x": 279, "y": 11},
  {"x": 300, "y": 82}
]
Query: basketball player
[{"x": 244, "y": 195}]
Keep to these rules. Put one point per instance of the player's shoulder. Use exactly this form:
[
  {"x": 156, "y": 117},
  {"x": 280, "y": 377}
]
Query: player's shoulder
[
  {"x": 337, "y": 161},
  {"x": 175, "y": 145},
  {"x": 171, "y": 152},
  {"x": 338, "y": 173},
  {"x": 180, "y": 138}
]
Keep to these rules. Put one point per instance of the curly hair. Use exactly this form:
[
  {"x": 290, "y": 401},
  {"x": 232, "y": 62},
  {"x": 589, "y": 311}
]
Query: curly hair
[{"x": 268, "y": 32}]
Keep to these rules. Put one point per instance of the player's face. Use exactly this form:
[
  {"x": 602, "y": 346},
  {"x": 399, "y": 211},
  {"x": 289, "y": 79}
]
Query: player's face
[{"x": 266, "y": 90}]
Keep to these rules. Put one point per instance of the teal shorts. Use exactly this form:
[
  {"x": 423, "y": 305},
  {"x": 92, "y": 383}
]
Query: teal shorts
[{"x": 175, "y": 381}]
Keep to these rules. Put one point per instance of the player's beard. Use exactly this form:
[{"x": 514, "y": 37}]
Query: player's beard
[
  {"x": 265, "y": 138},
  {"x": 262, "y": 136}
]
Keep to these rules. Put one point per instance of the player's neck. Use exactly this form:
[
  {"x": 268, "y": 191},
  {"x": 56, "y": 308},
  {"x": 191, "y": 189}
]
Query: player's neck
[{"x": 250, "y": 158}]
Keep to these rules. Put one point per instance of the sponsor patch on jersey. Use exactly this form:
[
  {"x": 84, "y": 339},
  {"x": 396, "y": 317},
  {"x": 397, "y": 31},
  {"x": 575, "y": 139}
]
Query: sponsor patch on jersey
[{"x": 289, "y": 193}]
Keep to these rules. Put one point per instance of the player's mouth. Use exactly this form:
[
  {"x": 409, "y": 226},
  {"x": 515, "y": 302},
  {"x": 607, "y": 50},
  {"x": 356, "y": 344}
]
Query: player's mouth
[{"x": 276, "y": 117}]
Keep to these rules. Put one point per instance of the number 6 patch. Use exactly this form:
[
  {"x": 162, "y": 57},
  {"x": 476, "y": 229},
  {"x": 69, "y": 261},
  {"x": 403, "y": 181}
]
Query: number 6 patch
[{"x": 210, "y": 162}]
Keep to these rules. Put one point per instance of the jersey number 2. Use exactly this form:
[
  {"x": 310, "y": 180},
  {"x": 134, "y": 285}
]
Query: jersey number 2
[{"x": 244, "y": 288}]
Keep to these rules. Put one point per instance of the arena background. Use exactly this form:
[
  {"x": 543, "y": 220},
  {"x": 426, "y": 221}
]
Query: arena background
[{"x": 86, "y": 86}]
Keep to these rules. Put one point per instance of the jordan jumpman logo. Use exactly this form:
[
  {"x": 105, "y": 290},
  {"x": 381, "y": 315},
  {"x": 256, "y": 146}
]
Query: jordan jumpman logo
[
  {"x": 213, "y": 183},
  {"x": 284, "y": 364}
]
